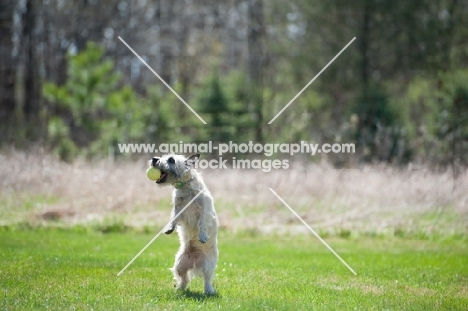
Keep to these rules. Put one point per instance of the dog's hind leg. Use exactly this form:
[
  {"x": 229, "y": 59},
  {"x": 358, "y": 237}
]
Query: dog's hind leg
[
  {"x": 208, "y": 276},
  {"x": 207, "y": 266},
  {"x": 183, "y": 264}
]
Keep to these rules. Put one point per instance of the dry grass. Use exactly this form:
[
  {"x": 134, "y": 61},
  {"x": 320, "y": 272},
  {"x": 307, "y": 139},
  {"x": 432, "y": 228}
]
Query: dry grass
[{"x": 37, "y": 187}]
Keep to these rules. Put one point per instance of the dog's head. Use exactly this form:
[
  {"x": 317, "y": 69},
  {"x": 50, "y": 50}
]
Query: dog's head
[{"x": 174, "y": 168}]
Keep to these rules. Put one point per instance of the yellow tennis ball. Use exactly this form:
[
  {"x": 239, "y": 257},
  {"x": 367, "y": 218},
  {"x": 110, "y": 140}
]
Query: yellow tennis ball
[{"x": 153, "y": 173}]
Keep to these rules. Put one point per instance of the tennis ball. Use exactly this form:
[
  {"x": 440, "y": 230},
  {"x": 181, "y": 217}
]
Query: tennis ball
[{"x": 153, "y": 173}]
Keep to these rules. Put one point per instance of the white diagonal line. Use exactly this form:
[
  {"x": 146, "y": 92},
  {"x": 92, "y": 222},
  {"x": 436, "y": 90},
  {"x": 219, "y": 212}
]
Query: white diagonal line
[
  {"x": 167, "y": 85},
  {"x": 159, "y": 233},
  {"x": 316, "y": 76},
  {"x": 312, "y": 230}
]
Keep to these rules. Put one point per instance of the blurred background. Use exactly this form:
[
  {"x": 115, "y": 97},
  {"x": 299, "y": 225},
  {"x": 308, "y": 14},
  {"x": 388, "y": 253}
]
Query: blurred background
[
  {"x": 399, "y": 91},
  {"x": 70, "y": 91}
]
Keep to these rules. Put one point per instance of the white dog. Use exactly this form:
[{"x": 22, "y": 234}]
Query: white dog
[{"x": 197, "y": 225}]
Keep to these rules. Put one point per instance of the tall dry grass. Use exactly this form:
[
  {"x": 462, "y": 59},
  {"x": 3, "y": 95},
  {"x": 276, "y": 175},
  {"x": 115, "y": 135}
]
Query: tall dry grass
[{"x": 38, "y": 187}]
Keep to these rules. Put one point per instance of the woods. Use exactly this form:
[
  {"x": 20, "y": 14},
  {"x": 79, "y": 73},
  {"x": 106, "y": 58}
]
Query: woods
[{"x": 399, "y": 92}]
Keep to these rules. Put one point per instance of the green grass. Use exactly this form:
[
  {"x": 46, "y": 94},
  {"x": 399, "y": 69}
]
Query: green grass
[
  {"x": 16, "y": 207},
  {"x": 64, "y": 269}
]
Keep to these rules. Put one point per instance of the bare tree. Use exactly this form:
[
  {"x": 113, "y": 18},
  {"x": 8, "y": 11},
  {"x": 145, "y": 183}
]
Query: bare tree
[
  {"x": 166, "y": 35},
  {"x": 32, "y": 94},
  {"x": 7, "y": 62},
  {"x": 255, "y": 59}
]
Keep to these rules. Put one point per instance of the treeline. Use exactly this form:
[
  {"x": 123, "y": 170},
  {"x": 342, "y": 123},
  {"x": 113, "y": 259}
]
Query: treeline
[{"x": 399, "y": 92}]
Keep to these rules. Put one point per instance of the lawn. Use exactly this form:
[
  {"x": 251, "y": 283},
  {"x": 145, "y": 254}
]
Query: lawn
[{"x": 64, "y": 269}]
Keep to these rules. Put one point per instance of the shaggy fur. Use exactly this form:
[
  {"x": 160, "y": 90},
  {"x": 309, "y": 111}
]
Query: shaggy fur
[{"x": 197, "y": 226}]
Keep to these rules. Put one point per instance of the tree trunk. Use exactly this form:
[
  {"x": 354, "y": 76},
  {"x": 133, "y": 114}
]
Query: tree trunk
[
  {"x": 184, "y": 74},
  {"x": 166, "y": 38},
  {"x": 448, "y": 36},
  {"x": 31, "y": 78},
  {"x": 364, "y": 47},
  {"x": 365, "y": 117},
  {"x": 255, "y": 60},
  {"x": 7, "y": 67}
]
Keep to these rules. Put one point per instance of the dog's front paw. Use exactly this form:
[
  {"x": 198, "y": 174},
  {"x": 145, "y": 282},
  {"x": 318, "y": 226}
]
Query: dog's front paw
[
  {"x": 169, "y": 230},
  {"x": 203, "y": 238}
]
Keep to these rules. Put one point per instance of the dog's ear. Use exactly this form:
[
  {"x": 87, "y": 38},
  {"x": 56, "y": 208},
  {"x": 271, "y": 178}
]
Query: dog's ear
[{"x": 192, "y": 159}]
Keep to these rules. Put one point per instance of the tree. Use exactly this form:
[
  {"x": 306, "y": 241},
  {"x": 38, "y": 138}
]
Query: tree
[
  {"x": 7, "y": 66},
  {"x": 213, "y": 102},
  {"x": 93, "y": 110},
  {"x": 166, "y": 16},
  {"x": 31, "y": 75},
  {"x": 452, "y": 122},
  {"x": 255, "y": 39}
]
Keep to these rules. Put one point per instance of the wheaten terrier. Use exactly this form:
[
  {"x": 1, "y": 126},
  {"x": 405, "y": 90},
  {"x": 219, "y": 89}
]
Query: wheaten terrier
[{"x": 197, "y": 226}]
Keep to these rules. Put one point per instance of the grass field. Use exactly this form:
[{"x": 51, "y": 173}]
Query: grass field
[
  {"x": 66, "y": 230},
  {"x": 76, "y": 268},
  {"x": 369, "y": 199}
]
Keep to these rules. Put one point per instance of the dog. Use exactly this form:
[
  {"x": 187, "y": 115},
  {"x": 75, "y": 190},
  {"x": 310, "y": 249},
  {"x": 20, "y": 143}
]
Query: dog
[{"x": 197, "y": 226}]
